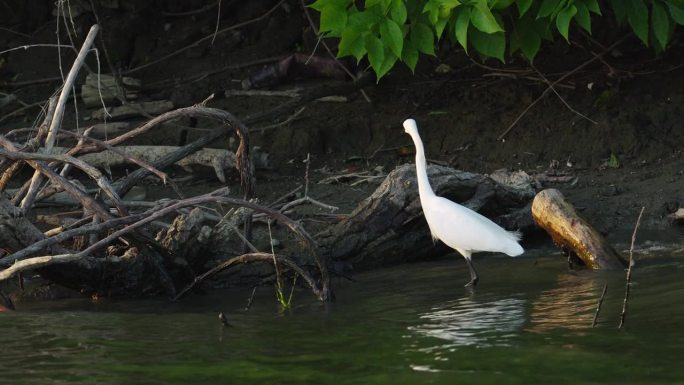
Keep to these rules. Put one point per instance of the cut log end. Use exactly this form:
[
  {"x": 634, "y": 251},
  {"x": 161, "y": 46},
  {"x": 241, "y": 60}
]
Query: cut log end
[{"x": 572, "y": 232}]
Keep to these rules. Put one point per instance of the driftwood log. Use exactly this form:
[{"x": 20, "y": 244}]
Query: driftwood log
[
  {"x": 388, "y": 227},
  {"x": 572, "y": 232}
]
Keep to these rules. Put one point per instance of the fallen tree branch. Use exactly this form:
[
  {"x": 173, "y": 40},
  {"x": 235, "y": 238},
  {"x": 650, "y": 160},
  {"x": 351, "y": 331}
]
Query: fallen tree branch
[
  {"x": 91, "y": 171},
  {"x": 56, "y": 120},
  {"x": 255, "y": 257},
  {"x": 573, "y": 233},
  {"x": 69, "y": 187},
  {"x": 105, "y": 146},
  {"x": 152, "y": 215},
  {"x": 43, "y": 244}
]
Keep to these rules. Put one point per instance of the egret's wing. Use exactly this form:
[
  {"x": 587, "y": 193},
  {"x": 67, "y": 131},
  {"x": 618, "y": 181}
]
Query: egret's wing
[{"x": 462, "y": 228}]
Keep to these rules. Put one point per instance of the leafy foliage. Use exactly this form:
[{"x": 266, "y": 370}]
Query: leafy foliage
[{"x": 387, "y": 31}]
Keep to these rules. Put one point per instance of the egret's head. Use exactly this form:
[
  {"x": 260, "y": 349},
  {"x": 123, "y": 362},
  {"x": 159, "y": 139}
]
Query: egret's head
[{"x": 410, "y": 127}]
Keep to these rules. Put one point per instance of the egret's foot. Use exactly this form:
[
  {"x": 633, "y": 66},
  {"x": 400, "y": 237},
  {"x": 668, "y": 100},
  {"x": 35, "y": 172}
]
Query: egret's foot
[{"x": 472, "y": 283}]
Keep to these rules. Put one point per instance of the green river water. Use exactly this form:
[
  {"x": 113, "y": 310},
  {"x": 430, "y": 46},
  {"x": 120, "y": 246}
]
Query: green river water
[{"x": 528, "y": 322}]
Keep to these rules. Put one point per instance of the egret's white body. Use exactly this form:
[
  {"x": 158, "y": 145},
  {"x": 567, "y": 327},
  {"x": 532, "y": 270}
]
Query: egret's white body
[{"x": 459, "y": 227}]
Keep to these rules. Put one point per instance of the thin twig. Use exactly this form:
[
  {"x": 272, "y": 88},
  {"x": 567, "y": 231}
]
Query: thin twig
[
  {"x": 289, "y": 119},
  {"x": 218, "y": 22},
  {"x": 306, "y": 199},
  {"x": 212, "y": 36},
  {"x": 598, "y": 305},
  {"x": 306, "y": 174},
  {"x": 20, "y": 110},
  {"x": 628, "y": 282},
  {"x": 285, "y": 196},
  {"x": 251, "y": 299},
  {"x": 560, "y": 79},
  {"x": 190, "y": 13},
  {"x": 560, "y": 97}
]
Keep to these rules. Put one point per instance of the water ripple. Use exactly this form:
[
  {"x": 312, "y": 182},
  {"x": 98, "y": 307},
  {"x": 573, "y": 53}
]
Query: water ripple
[{"x": 466, "y": 322}]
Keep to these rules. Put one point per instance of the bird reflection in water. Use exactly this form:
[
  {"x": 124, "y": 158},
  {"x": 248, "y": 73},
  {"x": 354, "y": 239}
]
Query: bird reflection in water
[{"x": 467, "y": 322}]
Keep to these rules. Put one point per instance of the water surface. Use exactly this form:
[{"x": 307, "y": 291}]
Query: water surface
[{"x": 528, "y": 322}]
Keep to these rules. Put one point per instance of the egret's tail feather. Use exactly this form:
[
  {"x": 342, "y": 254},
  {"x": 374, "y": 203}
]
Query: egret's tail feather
[
  {"x": 514, "y": 249},
  {"x": 516, "y": 234}
]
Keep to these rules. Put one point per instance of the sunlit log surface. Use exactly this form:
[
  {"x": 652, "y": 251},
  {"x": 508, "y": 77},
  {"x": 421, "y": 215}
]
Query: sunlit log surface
[{"x": 572, "y": 232}]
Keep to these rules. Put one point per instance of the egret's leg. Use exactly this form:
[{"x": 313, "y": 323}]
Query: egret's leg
[{"x": 473, "y": 274}]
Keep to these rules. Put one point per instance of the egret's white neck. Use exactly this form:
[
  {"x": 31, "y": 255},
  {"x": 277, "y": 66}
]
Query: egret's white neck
[{"x": 421, "y": 167}]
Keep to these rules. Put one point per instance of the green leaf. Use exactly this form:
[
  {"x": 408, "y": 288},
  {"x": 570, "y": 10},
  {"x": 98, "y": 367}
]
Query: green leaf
[
  {"x": 371, "y": 3},
  {"x": 421, "y": 35},
  {"x": 364, "y": 20},
  {"x": 376, "y": 52},
  {"x": 398, "y": 11},
  {"x": 387, "y": 64},
  {"x": 638, "y": 19},
  {"x": 432, "y": 9},
  {"x": 483, "y": 19},
  {"x": 333, "y": 20},
  {"x": 660, "y": 23},
  {"x": 583, "y": 17},
  {"x": 593, "y": 6},
  {"x": 543, "y": 29},
  {"x": 319, "y": 5},
  {"x": 447, "y": 5},
  {"x": 409, "y": 55},
  {"x": 526, "y": 38},
  {"x": 548, "y": 7},
  {"x": 563, "y": 20},
  {"x": 677, "y": 12},
  {"x": 439, "y": 27},
  {"x": 613, "y": 162},
  {"x": 391, "y": 34},
  {"x": 352, "y": 43},
  {"x": 501, "y": 4},
  {"x": 461, "y": 26},
  {"x": 523, "y": 6},
  {"x": 621, "y": 9},
  {"x": 489, "y": 44},
  {"x": 383, "y": 5}
]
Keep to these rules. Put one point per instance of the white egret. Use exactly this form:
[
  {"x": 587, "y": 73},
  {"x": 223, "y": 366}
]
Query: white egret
[{"x": 459, "y": 227}]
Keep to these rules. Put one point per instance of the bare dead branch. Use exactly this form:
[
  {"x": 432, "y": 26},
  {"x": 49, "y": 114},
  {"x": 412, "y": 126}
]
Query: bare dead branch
[
  {"x": 628, "y": 280},
  {"x": 255, "y": 257},
  {"x": 91, "y": 171},
  {"x": 216, "y": 197},
  {"x": 598, "y": 306},
  {"x": 69, "y": 187},
  {"x": 56, "y": 120},
  {"x": 105, "y": 146}
]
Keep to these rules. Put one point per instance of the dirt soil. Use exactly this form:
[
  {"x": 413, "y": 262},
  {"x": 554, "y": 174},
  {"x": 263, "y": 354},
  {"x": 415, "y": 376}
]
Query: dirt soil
[{"x": 619, "y": 137}]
